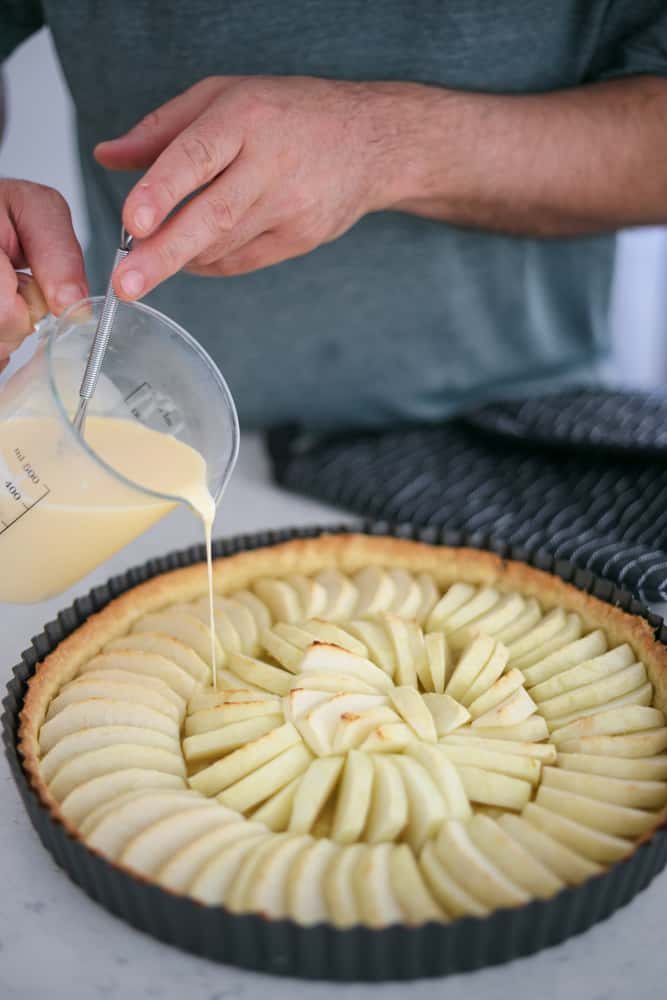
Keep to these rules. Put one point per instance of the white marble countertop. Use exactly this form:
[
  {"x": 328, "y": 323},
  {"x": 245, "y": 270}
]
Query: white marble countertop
[{"x": 55, "y": 942}]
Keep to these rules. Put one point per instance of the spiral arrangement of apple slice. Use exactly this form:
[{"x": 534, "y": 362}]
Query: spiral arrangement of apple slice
[{"x": 375, "y": 751}]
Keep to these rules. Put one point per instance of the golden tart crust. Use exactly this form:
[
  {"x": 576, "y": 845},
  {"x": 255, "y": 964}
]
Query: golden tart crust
[{"x": 420, "y": 854}]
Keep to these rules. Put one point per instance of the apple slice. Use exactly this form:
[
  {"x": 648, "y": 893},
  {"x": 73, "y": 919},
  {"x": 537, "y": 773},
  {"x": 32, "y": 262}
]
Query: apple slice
[
  {"x": 407, "y": 594},
  {"x": 429, "y": 596},
  {"x": 314, "y": 789},
  {"x": 642, "y": 744},
  {"x": 257, "y": 608},
  {"x": 243, "y": 621},
  {"x": 103, "y": 712},
  {"x": 322, "y": 631},
  {"x": 97, "y": 738},
  {"x": 354, "y": 727},
  {"x": 261, "y": 674},
  {"x": 615, "y": 722},
  {"x": 411, "y": 707},
  {"x": 572, "y": 654},
  {"x": 376, "y": 591},
  {"x": 452, "y": 897},
  {"x": 473, "y": 871},
  {"x": 514, "y": 709},
  {"x": 306, "y": 903},
  {"x": 312, "y": 594},
  {"x": 299, "y": 701},
  {"x": 109, "y": 827},
  {"x": 319, "y": 725},
  {"x": 532, "y": 729},
  {"x": 376, "y": 898},
  {"x": 498, "y": 760},
  {"x": 267, "y": 889},
  {"x": 603, "y": 848},
  {"x": 283, "y": 652},
  {"x": 410, "y": 888},
  {"x": 332, "y": 683},
  {"x": 642, "y": 696},
  {"x": 228, "y": 738},
  {"x": 326, "y": 658},
  {"x": 493, "y": 789},
  {"x": 520, "y": 748},
  {"x": 456, "y": 597},
  {"x": 238, "y": 889},
  {"x": 83, "y": 799},
  {"x": 185, "y": 627},
  {"x": 567, "y": 635},
  {"x": 447, "y": 714},
  {"x": 473, "y": 660},
  {"x": 374, "y": 637},
  {"x": 224, "y": 629},
  {"x": 390, "y": 738},
  {"x": 404, "y": 647},
  {"x": 484, "y": 600},
  {"x": 281, "y": 599},
  {"x": 388, "y": 812},
  {"x": 488, "y": 676},
  {"x": 338, "y": 885},
  {"x": 522, "y": 624},
  {"x": 236, "y": 765},
  {"x": 446, "y": 778},
  {"x": 501, "y": 614},
  {"x": 546, "y": 628},
  {"x": 324, "y": 822},
  {"x": 149, "y": 849},
  {"x": 212, "y": 881},
  {"x": 266, "y": 780},
  {"x": 496, "y": 693},
  {"x": 111, "y": 689},
  {"x": 426, "y": 806},
  {"x": 208, "y": 719},
  {"x": 177, "y": 652},
  {"x": 178, "y": 872},
  {"x": 113, "y": 758},
  {"x": 636, "y": 793},
  {"x": 596, "y": 693},
  {"x": 633, "y": 769},
  {"x": 275, "y": 812},
  {"x": 354, "y": 798},
  {"x": 144, "y": 664},
  {"x": 206, "y": 698},
  {"x": 342, "y": 595},
  {"x": 566, "y": 864},
  {"x": 608, "y": 817},
  {"x": 438, "y": 661},
  {"x": 512, "y": 859},
  {"x": 587, "y": 672}
]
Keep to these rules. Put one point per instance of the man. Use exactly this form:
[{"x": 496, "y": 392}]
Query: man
[{"x": 408, "y": 206}]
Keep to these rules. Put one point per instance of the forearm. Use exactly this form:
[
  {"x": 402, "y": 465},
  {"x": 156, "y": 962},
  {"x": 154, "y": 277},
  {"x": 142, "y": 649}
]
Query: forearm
[{"x": 585, "y": 160}]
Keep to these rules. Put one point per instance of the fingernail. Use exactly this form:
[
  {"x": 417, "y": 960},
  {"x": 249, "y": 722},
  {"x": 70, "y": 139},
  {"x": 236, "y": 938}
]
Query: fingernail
[
  {"x": 132, "y": 282},
  {"x": 144, "y": 217},
  {"x": 68, "y": 294}
]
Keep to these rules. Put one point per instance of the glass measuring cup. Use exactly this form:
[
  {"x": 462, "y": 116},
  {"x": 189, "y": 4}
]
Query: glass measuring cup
[{"x": 64, "y": 508}]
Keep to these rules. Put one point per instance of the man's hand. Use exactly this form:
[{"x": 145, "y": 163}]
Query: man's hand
[
  {"x": 35, "y": 232},
  {"x": 279, "y": 165}
]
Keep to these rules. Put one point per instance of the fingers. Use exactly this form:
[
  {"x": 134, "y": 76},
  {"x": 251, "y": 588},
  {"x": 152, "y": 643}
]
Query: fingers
[
  {"x": 33, "y": 297},
  {"x": 15, "y": 322},
  {"x": 44, "y": 228},
  {"x": 219, "y": 217},
  {"x": 269, "y": 248},
  {"x": 139, "y": 147}
]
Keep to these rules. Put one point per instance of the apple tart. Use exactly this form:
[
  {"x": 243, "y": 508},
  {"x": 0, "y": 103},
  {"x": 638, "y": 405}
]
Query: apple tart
[{"x": 397, "y": 733}]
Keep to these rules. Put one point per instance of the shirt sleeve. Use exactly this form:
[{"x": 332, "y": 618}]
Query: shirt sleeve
[
  {"x": 632, "y": 41},
  {"x": 18, "y": 20}
]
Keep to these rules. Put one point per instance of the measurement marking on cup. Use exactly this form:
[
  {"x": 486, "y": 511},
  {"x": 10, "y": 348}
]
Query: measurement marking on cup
[{"x": 27, "y": 507}]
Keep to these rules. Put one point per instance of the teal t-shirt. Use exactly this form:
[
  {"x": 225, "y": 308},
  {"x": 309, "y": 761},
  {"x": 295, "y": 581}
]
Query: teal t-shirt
[{"x": 401, "y": 319}]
